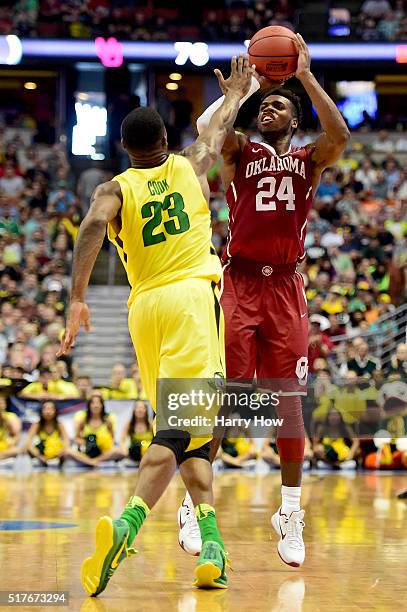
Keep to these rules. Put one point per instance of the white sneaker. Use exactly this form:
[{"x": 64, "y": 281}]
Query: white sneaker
[
  {"x": 189, "y": 536},
  {"x": 291, "y": 545}
]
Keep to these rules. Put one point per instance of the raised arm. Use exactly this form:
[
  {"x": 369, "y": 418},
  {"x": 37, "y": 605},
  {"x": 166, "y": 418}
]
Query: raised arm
[
  {"x": 330, "y": 144},
  {"x": 105, "y": 206},
  {"x": 208, "y": 146},
  {"x": 234, "y": 141}
]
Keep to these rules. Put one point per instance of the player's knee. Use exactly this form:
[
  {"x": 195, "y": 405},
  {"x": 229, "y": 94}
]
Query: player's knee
[
  {"x": 176, "y": 441},
  {"x": 197, "y": 479}
]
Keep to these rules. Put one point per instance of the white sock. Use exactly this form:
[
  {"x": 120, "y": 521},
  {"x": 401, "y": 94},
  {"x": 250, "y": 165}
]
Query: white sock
[{"x": 290, "y": 499}]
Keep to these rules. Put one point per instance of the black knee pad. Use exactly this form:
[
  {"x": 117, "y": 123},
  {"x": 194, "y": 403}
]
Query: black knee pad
[{"x": 174, "y": 439}]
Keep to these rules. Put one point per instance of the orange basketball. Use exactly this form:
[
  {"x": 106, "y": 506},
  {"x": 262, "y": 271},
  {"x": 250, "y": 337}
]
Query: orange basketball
[{"x": 274, "y": 51}]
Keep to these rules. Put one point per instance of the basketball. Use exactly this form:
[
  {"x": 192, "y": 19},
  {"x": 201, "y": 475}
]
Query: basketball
[{"x": 274, "y": 51}]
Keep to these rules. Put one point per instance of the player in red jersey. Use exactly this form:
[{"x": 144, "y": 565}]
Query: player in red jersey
[{"x": 269, "y": 188}]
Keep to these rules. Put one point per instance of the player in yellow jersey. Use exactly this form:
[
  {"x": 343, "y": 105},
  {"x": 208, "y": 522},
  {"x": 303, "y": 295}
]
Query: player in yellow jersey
[{"x": 157, "y": 214}]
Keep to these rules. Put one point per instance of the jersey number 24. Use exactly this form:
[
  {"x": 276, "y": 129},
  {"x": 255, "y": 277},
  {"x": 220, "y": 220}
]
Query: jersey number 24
[
  {"x": 285, "y": 192},
  {"x": 178, "y": 221}
]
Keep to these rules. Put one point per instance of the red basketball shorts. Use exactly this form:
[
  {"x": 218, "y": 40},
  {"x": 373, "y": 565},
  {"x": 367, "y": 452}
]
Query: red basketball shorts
[{"x": 266, "y": 324}]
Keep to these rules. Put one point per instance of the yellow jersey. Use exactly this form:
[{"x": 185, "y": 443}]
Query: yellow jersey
[
  {"x": 165, "y": 231},
  {"x": 126, "y": 390},
  {"x": 56, "y": 387}
]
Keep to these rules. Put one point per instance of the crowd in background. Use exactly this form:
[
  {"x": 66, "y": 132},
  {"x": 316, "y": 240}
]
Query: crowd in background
[
  {"x": 368, "y": 20},
  {"x": 341, "y": 424},
  {"x": 355, "y": 274}
]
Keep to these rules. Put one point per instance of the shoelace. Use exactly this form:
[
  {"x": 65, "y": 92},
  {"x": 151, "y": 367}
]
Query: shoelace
[
  {"x": 193, "y": 527},
  {"x": 295, "y": 525}
]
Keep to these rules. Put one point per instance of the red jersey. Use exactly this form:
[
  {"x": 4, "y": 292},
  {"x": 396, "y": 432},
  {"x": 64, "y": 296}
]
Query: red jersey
[{"x": 269, "y": 200}]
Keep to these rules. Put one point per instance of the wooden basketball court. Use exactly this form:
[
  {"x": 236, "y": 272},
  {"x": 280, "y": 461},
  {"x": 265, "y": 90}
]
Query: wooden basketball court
[{"x": 356, "y": 539}]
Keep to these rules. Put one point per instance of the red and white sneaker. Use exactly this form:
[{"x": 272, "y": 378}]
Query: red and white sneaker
[
  {"x": 291, "y": 545},
  {"x": 189, "y": 536}
]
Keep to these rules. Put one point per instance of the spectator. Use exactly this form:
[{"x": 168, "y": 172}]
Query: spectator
[
  {"x": 137, "y": 434},
  {"x": 383, "y": 144},
  {"x": 398, "y": 364},
  {"x": 50, "y": 386},
  {"x": 135, "y": 374},
  {"x": 381, "y": 188},
  {"x": 335, "y": 443},
  {"x": 211, "y": 27},
  {"x": 10, "y": 429},
  {"x": 84, "y": 386},
  {"x": 94, "y": 434},
  {"x": 269, "y": 452},
  {"x": 349, "y": 400},
  {"x": 87, "y": 183},
  {"x": 60, "y": 199},
  {"x": 120, "y": 386},
  {"x": 47, "y": 440},
  {"x": 375, "y": 8},
  {"x": 388, "y": 27},
  {"x": 363, "y": 364},
  {"x": 9, "y": 224},
  {"x": 366, "y": 174},
  {"x": 237, "y": 449},
  {"x": 11, "y": 184},
  {"x": 392, "y": 171},
  {"x": 320, "y": 344},
  {"x": 347, "y": 163},
  {"x": 392, "y": 419},
  {"x": 328, "y": 187},
  {"x": 397, "y": 225}
]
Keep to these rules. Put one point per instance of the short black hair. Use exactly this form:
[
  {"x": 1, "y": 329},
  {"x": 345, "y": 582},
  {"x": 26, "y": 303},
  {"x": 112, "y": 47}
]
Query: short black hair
[
  {"x": 284, "y": 92},
  {"x": 142, "y": 128}
]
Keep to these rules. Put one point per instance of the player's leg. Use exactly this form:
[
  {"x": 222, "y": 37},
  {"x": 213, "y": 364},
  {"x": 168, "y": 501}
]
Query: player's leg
[
  {"x": 196, "y": 472},
  {"x": 282, "y": 356},
  {"x": 203, "y": 351},
  {"x": 241, "y": 316},
  {"x": 239, "y": 301},
  {"x": 114, "y": 536}
]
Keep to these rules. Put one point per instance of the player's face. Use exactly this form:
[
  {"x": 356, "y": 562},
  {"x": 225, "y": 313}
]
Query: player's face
[{"x": 276, "y": 115}]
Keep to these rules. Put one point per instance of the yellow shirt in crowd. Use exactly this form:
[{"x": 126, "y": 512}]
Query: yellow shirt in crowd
[
  {"x": 126, "y": 390},
  {"x": 55, "y": 387}
]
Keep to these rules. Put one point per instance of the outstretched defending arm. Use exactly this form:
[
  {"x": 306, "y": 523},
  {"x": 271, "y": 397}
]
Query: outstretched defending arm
[
  {"x": 105, "y": 205},
  {"x": 331, "y": 143},
  {"x": 203, "y": 121},
  {"x": 209, "y": 143},
  {"x": 235, "y": 141}
]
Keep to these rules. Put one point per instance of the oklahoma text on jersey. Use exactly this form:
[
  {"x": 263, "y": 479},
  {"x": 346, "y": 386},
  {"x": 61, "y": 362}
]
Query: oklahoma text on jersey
[
  {"x": 275, "y": 164},
  {"x": 269, "y": 200}
]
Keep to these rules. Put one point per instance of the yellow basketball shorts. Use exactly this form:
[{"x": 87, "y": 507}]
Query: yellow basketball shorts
[{"x": 178, "y": 332}]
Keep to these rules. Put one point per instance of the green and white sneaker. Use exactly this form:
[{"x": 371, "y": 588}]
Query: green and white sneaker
[
  {"x": 210, "y": 571},
  {"x": 111, "y": 549}
]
